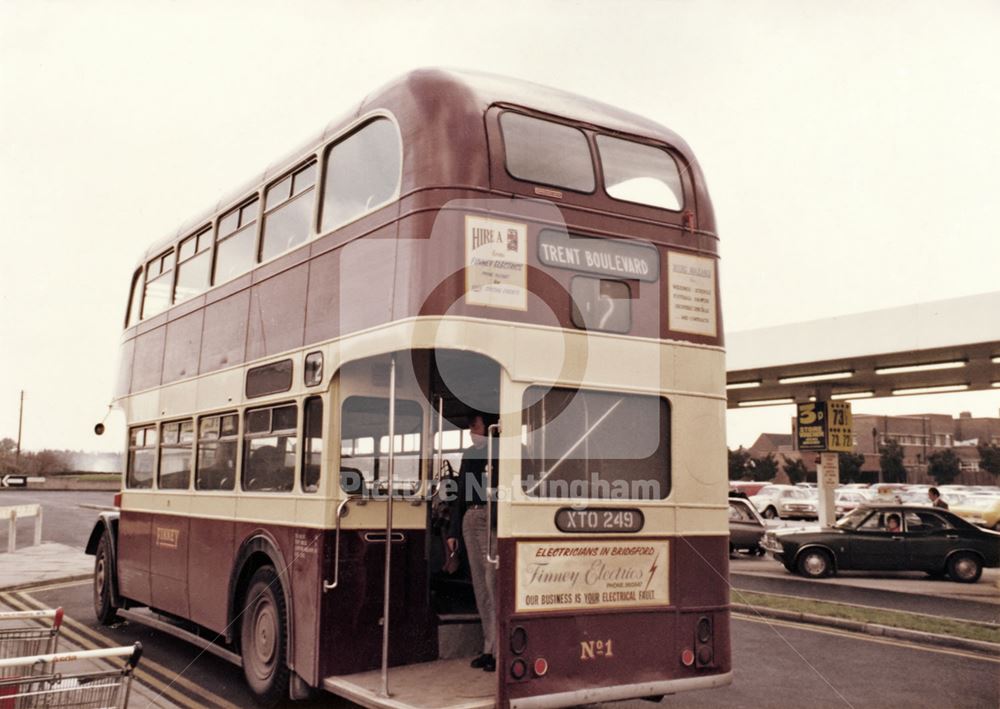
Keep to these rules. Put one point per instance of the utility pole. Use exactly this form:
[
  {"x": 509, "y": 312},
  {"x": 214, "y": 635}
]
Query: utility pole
[{"x": 20, "y": 420}]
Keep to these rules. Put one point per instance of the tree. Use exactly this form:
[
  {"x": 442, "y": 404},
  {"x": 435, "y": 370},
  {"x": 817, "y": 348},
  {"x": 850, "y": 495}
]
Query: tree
[
  {"x": 739, "y": 464},
  {"x": 850, "y": 465},
  {"x": 795, "y": 469},
  {"x": 943, "y": 466},
  {"x": 765, "y": 468},
  {"x": 989, "y": 458},
  {"x": 891, "y": 462}
]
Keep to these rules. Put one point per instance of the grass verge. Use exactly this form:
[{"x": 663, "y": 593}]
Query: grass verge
[{"x": 868, "y": 614}]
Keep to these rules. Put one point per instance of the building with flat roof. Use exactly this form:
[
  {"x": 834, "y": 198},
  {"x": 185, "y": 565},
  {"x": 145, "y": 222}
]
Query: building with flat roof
[{"x": 919, "y": 435}]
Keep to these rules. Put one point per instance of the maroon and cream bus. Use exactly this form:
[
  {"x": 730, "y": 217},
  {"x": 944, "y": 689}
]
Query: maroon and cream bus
[{"x": 300, "y": 363}]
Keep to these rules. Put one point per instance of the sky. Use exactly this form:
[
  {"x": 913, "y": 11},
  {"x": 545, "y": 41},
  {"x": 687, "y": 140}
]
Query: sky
[{"x": 850, "y": 149}]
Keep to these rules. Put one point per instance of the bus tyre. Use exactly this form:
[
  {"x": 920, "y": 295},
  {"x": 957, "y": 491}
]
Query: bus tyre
[
  {"x": 964, "y": 567},
  {"x": 264, "y": 638},
  {"x": 815, "y": 564},
  {"x": 103, "y": 569}
]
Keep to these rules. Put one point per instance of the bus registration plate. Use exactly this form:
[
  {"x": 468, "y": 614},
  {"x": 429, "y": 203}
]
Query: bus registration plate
[{"x": 599, "y": 519}]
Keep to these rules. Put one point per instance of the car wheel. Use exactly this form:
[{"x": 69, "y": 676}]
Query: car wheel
[
  {"x": 965, "y": 568},
  {"x": 770, "y": 513},
  {"x": 815, "y": 563},
  {"x": 264, "y": 639},
  {"x": 103, "y": 569}
]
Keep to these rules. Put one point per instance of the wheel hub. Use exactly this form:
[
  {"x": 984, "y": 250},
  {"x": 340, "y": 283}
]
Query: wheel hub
[{"x": 815, "y": 564}]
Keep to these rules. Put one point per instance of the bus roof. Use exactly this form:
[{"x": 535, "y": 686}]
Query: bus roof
[{"x": 452, "y": 136}]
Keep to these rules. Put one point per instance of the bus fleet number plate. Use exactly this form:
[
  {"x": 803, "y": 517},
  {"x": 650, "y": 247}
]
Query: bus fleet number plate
[{"x": 599, "y": 519}]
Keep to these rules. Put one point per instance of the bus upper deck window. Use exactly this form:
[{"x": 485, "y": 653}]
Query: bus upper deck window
[
  {"x": 194, "y": 263},
  {"x": 288, "y": 210},
  {"x": 235, "y": 242},
  {"x": 546, "y": 152},
  {"x": 159, "y": 281},
  {"x": 639, "y": 173},
  {"x": 362, "y": 173}
]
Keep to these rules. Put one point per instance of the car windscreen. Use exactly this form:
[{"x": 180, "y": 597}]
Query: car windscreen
[{"x": 853, "y": 518}]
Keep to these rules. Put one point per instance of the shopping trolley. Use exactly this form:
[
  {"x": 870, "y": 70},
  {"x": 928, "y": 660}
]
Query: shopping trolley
[
  {"x": 94, "y": 689},
  {"x": 20, "y": 636}
]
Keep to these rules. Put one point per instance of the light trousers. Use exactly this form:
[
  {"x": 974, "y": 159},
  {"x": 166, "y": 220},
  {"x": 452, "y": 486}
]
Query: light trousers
[{"x": 476, "y": 532}]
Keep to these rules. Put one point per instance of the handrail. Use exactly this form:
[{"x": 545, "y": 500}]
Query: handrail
[
  {"x": 439, "y": 454},
  {"x": 490, "y": 556},
  {"x": 388, "y": 528},
  {"x": 341, "y": 511}
]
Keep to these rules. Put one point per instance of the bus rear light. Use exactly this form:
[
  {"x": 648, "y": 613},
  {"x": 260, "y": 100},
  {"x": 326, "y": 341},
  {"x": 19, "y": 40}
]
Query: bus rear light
[
  {"x": 118, "y": 500},
  {"x": 541, "y": 667},
  {"x": 703, "y": 641},
  {"x": 518, "y": 669},
  {"x": 704, "y": 630},
  {"x": 687, "y": 657},
  {"x": 518, "y": 640}
]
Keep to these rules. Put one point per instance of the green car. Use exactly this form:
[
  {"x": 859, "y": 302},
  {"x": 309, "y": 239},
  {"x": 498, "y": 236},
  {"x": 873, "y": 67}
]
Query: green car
[{"x": 889, "y": 538}]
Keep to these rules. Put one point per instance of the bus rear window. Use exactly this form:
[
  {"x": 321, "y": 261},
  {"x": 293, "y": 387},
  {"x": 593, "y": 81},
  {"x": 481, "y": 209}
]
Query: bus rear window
[
  {"x": 639, "y": 173},
  {"x": 546, "y": 152},
  {"x": 593, "y": 444}
]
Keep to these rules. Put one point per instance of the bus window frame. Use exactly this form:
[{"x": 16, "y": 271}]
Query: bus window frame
[
  {"x": 521, "y": 494},
  {"x": 355, "y": 127},
  {"x": 235, "y": 488},
  {"x": 196, "y": 234},
  {"x": 191, "y": 455},
  {"x": 591, "y": 150},
  {"x": 304, "y": 449},
  {"x": 266, "y": 211},
  {"x": 245, "y": 451},
  {"x": 682, "y": 170},
  {"x": 237, "y": 206},
  {"x": 171, "y": 254},
  {"x": 597, "y": 201},
  {"x": 154, "y": 474},
  {"x": 133, "y": 312}
]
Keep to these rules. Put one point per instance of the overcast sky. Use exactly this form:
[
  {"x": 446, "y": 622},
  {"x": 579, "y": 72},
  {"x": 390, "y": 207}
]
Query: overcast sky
[{"x": 850, "y": 148}]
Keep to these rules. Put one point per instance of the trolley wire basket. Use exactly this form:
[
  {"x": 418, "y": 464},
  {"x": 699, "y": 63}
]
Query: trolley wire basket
[
  {"x": 94, "y": 689},
  {"x": 29, "y": 633}
]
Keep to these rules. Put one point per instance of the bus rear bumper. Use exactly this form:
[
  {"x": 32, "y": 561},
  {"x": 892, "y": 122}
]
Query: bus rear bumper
[{"x": 621, "y": 691}]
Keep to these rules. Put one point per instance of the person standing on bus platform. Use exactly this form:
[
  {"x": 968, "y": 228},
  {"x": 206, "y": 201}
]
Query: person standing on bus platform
[{"x": 469, "y": 517}]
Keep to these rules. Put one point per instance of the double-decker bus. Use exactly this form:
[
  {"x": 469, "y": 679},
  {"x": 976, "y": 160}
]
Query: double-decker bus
[{"x": 300, "y": 363}]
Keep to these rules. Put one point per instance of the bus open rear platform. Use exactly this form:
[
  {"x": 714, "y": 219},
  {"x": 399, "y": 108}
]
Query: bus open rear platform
[{"x": 444, "y": 684}]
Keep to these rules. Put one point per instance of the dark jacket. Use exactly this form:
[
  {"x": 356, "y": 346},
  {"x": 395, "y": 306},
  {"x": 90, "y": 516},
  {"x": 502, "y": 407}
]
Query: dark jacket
[{"x": 471, "y": 488}]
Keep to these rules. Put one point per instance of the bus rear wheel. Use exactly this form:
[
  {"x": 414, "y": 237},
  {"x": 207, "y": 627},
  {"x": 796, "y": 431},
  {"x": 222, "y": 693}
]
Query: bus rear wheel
[
  {"x": 264, "y": 638},
  {"x": 103, "y": 569}
]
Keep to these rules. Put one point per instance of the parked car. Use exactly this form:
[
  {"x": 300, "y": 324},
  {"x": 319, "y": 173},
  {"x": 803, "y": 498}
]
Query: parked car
[
  {"x": 746, "y": 527},
  {"x": 747, "y": 487},
  {"x": 786, "y": 502},
  {"x": 935, "y": 541},
  {"x": 847, "y": 500},
  {"x": 983, "y": 510}
]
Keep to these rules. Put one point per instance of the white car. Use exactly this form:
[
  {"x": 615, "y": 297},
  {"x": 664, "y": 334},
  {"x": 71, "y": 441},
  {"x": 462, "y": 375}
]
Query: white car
[{"x": 786, "y": 502}]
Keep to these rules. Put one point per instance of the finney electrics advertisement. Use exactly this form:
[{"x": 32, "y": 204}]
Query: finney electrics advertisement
[{"x": 594, "y": 574}]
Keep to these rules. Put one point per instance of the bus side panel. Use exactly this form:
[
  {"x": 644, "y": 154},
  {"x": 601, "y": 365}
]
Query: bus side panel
[
  {"x": 168, "y": 563},
  {"x": 592, "y": 648},
  {"x": 211, "y": 541},
  {"x": 350, "y": 628},
  {"x": 296, "y": 562},
  {"x": 134, "y": 544}
]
